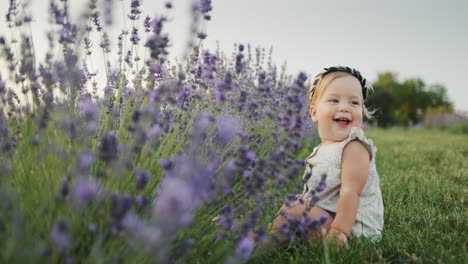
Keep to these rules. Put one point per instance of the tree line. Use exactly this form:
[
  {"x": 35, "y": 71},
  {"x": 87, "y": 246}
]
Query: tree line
[{"x": 405, "y": 103}]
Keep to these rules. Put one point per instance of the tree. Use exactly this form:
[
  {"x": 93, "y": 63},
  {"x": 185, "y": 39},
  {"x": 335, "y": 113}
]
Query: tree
[{"x": 407, "y": 102}]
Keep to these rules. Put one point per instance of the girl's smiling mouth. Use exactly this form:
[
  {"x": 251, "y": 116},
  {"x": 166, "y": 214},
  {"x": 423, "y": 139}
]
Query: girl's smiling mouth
[{"x": 342, "y": 122}]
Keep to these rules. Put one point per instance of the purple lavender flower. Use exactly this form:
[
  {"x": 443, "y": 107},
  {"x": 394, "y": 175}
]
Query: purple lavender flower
[
  {"x": 157, "y": 25},
  {"x": 88, "y": 108},
  {"x": 132, "y": 223},
  {"x": 147, "y": 24},
  {"x": 242, "y": 100},
  {"x": 157, "y": 45},
  {"x": 92, "y": 4},
  {"x": 141, "y": 200},
  {"x": 289, "y": 199},
  {"x": 225, "y": 220},
  {"x": 68, "y": 33},
  {"x": 142, "y": 178},
  {"x": 227, "y": 84},
  {"x": 228, "y": 127},
  {"x": 128, "y": 58},
  {"x": 293, "y": 172},
  {"x": 85, "y": 191},
  {"x": 166, "y": 164},
  {"x": 70, "y": 58},
  {"x": 95, "y": 18},
  {"x": 153, "y": 132},
  {"x": 244, "y": 248},
  {"x": 322, "y": 219},
  {"x": 86, "y": 160},
  {"x": 27, "y": 19},
  {"x": 12, "y": 11},
  {"x": 239, "y": 65},
  {"x": 150, "y": 235},
  {"x": 321, "y": 187},
  {"x": 155, "y": 68},
  {"x": 250, "y": 156},
  {"x": 201, "y": 35},
  {"x": 203, "y": 120},
  {"x": 60, "y": 236},
  {"x": 244, "y": 157},
  {"x": 306, "y": 224},
  {"x": 209, "y": 65},
  {"x": 192, "y": 179},
  {"x": 184, "y": 93},
  {"x": 134, "y": 38},
  {"x": 88, "y": 44},
  {"x": 306, "y": 177},
  {"x": 205, "y": 6},
  {"x": 92, "y": 227},
  {"x": 135, "y": 10},
  {"x": 64, "y": 189},
  {"x": 174, "y": 201},
  {"x": 108, "y": 147},
  {"x": 59, "y": 15},
  {"x": 2, "y": 86},
  {"x": 190, "y": 182},
  {"x": 108, "y": 4},
  {"x": 247, "y": 174},
  {"x": 120, "y": 204},
  {"x": 260, "y": 235},
  {"x": 105, "y": 43}
]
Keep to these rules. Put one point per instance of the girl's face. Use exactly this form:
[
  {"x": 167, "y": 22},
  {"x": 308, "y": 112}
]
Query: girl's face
[{"x": 338, "y": 109}]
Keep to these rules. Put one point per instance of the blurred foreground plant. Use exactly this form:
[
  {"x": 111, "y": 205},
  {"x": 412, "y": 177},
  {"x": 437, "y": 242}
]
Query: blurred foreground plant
[{"x": 134, "y": 165}]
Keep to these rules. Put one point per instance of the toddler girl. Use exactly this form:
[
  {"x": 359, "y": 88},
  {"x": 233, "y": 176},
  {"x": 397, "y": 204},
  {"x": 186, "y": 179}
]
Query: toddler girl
[{"x": 351, "y": 203}]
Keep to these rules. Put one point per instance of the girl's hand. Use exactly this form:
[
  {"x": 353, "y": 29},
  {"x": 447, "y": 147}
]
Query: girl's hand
[{"x": 337, "y": 238}]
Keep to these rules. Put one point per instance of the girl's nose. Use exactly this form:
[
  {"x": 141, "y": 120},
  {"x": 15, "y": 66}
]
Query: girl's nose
[{"x": 344, "y": 107}]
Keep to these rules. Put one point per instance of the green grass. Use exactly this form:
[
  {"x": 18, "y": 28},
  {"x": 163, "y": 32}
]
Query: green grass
[{"x": 424, "y": 182}]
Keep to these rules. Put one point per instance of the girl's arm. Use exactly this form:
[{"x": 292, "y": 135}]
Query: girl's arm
[{"x": 354, "y": 172}]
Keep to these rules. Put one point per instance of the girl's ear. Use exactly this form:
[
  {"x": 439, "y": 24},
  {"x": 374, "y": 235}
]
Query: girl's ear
[{"x": 313, "y": 113}]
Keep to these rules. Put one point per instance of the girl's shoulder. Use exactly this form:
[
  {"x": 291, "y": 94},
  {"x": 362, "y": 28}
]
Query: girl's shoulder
[
  {"x": 356, "y": 133},
  {"x": 335, "y": 150}
]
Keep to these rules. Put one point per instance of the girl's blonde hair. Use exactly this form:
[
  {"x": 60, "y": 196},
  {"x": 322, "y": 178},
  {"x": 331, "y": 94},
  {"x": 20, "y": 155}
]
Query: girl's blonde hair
[{"x": 320, "y": 84}]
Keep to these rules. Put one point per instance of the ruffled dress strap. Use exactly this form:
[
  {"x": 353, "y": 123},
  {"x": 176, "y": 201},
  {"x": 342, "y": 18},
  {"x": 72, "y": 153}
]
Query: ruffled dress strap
[{"x": 356, "y": 133}]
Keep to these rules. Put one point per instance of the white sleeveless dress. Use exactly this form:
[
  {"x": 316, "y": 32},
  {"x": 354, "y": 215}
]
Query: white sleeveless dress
[{"x": 327, "y": 159}]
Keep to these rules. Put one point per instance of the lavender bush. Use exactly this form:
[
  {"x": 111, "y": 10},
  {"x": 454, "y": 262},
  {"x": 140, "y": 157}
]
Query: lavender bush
[{"x": 157, "y": 162}]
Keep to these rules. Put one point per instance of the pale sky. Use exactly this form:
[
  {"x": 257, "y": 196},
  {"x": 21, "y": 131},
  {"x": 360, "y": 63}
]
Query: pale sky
[{"x": 417, "y": 38}]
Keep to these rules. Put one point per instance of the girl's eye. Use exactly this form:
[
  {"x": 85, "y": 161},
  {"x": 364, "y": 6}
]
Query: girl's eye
[
  {"x": 334, "y": 100},
  {"x": 355, "y": 102}
]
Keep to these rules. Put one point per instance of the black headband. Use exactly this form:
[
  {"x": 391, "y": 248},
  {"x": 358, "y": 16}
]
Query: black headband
[{"x": 365, "y": 86}]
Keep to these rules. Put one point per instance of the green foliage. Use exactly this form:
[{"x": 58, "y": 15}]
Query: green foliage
[{"x": 405, "y": 103}]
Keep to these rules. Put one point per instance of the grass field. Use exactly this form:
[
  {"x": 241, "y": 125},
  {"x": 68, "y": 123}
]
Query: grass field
[{"x": 424, "y": 182}]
